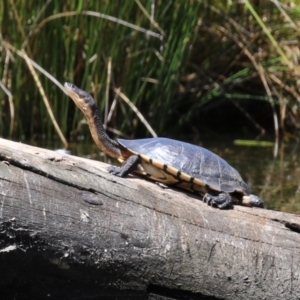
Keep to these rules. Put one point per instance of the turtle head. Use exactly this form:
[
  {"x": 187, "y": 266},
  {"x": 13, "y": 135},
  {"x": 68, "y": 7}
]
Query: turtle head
[
  {"x": 81, "y": 98},
  {"x": 88, "y": 106}
]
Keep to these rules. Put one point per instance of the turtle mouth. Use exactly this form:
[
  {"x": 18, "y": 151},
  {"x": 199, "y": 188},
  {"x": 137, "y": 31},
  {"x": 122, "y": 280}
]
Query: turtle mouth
[
  {"x": 79, "y": 96},
  {"x": 71, "y": 90},
  {"x": 69, "y": 85}
]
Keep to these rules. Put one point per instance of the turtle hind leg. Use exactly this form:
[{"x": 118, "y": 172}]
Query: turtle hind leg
[
  {"x": 222, "y": 200},
  {"x": 129, "y": 166}
]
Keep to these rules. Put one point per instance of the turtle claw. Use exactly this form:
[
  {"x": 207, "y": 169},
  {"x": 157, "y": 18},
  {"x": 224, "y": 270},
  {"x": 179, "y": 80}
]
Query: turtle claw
[
  {"x": 222, "y": 201},
  {"x": 117, "y": 171},
  {"x": 130, "y": 165}
]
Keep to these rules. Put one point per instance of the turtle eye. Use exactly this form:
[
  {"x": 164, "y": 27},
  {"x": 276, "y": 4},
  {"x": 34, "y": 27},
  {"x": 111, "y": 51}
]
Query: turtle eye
[{"x": 69, "y": 85}]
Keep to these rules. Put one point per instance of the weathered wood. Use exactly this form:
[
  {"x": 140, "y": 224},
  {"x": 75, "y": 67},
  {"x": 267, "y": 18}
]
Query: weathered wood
[{"x": 69, "y": 228}]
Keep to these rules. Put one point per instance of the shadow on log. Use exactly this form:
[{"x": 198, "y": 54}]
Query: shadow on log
[{"x": 71, "y": 230}]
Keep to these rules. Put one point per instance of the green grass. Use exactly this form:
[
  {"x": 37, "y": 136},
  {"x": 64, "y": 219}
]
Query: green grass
[{"x": 192, "y": 56}]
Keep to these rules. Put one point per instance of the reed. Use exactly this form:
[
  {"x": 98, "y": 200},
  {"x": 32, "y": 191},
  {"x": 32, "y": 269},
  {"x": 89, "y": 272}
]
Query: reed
[{"x": 171, "y": 59}]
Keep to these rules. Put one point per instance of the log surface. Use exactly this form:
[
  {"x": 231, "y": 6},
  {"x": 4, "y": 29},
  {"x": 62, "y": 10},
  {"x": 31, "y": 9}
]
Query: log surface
[{"x": 71, "y": 230}]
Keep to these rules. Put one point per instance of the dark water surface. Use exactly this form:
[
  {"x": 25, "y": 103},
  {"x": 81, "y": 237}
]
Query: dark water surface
[{"x": 275, "y": 180}]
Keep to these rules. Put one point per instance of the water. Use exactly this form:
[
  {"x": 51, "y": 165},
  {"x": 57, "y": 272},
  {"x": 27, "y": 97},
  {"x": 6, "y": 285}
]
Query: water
[{"x": 275, "y": 180}]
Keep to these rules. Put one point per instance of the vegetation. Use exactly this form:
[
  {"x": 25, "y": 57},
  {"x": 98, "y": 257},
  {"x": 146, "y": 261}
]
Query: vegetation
[{"x": 176, "y": 62}]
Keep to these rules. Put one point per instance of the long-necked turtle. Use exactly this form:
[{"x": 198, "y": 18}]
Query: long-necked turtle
[{"x": 169, "y": 161}]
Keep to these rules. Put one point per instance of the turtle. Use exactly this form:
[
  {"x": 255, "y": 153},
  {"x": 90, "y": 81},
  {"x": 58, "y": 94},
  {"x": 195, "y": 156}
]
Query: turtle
[{"x": 168, "y": 161}]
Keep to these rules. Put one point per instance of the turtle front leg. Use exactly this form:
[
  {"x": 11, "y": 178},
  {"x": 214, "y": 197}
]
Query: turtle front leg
[
  {"x": 129, "y": 166},
  {"x": 222, "y": 200}
]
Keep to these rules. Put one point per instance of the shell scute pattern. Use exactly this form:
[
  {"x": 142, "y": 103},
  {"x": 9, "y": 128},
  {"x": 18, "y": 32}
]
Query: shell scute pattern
[{"x": 191, "y": 161}]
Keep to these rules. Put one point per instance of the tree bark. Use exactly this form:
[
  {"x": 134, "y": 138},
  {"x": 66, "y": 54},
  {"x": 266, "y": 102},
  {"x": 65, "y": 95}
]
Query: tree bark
[{"x": 71, "y": 230}]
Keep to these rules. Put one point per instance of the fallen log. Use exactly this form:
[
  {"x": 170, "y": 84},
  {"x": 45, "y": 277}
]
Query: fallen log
[{"x": 71, "y": 230}]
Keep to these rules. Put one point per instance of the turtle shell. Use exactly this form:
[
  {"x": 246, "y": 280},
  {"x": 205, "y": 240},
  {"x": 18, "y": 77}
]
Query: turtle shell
[{"x": 187, "y": 163}]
